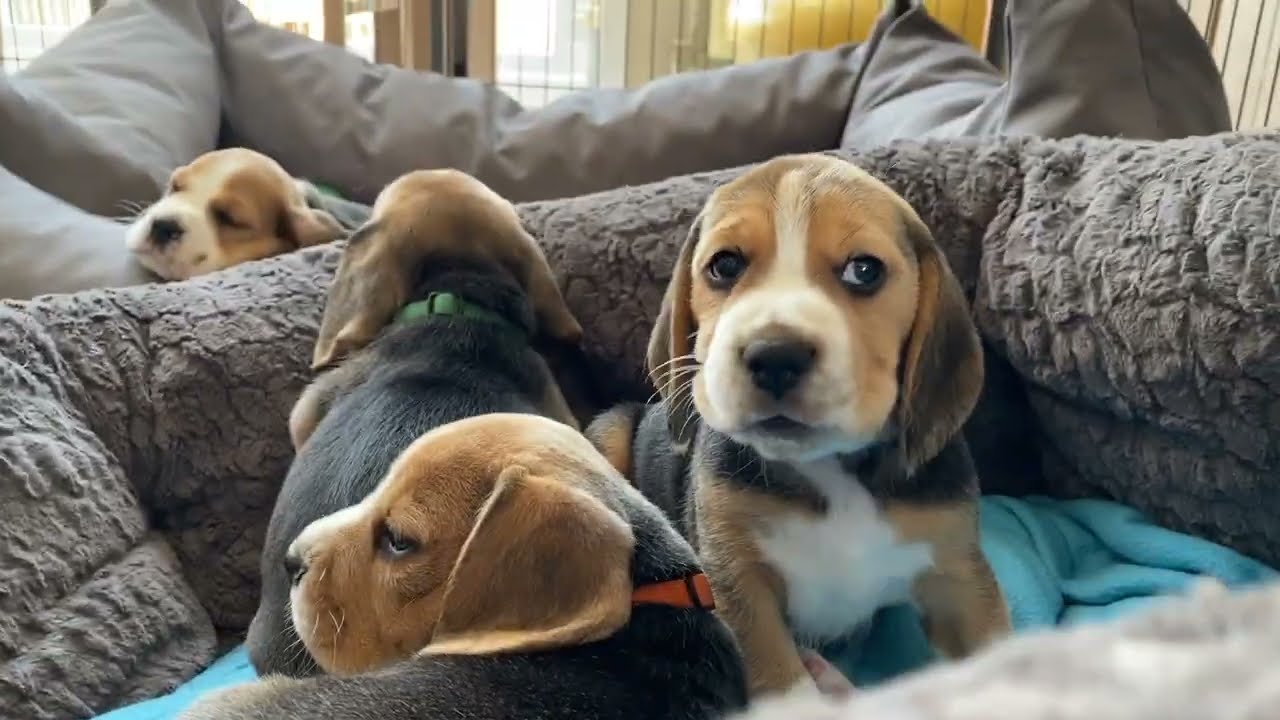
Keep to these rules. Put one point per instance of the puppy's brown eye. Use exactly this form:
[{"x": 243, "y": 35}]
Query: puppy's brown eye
[
  {"x": 175, "y": 187},
  {"x": 223, "y": 218},
  {"x": 863, "y": 274},
  {"x": 725, "y": 267},
  {"x": 393, "y": 544}
]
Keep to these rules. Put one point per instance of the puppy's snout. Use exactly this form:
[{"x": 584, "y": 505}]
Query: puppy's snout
[
  {"x": 165, "y": 231},
  {"x": 777, "y": 366},
  {"x": 295, "y": 566}
]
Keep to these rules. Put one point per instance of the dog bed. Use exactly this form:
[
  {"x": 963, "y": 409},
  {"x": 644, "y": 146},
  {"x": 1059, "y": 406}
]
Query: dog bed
[
  {"x": 1127, "y": 292},
  {"x": 1058, "y": 562}
]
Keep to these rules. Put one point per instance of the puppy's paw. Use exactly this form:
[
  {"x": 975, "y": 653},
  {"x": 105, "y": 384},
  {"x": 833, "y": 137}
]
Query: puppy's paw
[{"x": 829, "y": 681}]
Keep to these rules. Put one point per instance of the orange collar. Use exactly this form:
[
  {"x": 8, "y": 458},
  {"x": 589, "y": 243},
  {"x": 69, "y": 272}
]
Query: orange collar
[{"x": 691, "y": 591}]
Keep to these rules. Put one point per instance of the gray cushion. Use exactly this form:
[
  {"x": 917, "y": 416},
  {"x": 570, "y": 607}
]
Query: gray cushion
[
  {"x": 1126, "y": 68},
  {"x": 330, "y": 116},
  {"x": 50, "y": 246},
  {"x": 95, "y": 607},
  {"x": 107, "y": 113}
]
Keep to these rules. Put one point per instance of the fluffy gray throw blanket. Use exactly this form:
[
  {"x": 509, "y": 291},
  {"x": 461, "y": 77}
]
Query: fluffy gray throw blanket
[
  {"x": 1212, "y": 657},
  {"x": 1127, "y": 292}
]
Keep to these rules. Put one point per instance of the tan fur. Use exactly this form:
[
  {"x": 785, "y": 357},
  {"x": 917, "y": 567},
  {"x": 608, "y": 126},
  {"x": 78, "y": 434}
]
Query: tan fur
[
  {"x": 611, "y": 433},
  {"x": 962, "y": 605},
  {"x": 750, "y": 596},
  {"x": 425, "y": 214},
  {"x": 569, "y": 556},
  {"x": 905, "y": 354},
  {"x": 235, "y": 205},
  {"x": 519, "y": 548},
  {"x": 314, "y": 402},
  {"x": 305, "y": 416}
]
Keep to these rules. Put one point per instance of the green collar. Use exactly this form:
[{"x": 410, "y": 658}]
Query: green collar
[{"x": 443, "y": 303}]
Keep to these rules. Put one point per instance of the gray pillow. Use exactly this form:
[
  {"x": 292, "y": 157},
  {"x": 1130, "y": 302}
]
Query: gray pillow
[
  {"x": 328, "y": 115},
  {"x": 1113, "y": 68},
  {"x": 107, "y": 113},
  {"x": 49, "y": 246}
]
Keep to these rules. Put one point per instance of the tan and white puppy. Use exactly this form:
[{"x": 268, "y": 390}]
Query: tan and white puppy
[
  {"x": 225, "y": 208},
  {"x": 501, "y": 569},
  {"x": 816, "y": 362},
  {"x": 502, "y": 520}
]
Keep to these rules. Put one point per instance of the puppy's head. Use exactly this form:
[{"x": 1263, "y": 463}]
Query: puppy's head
[
  {"x": 432, "y": 216},
  {"x": 811, "y": 314},
  {"x": 500, "y": 533},
  {"x": 225, "y": 208}
]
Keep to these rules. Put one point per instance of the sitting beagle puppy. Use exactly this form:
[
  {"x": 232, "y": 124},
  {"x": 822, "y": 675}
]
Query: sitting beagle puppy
[
  {"x": 501, "y": 570},
  {"x": 439, "y": 310},
  {"x": 816, "y": 361},
  {"x": 225, "y": 208}
]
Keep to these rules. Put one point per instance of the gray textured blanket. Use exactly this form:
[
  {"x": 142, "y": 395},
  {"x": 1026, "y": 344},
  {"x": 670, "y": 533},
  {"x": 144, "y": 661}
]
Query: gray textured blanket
[
  {"x": 1127, "y": 291},
  {"x": 1212, "y": 657}
]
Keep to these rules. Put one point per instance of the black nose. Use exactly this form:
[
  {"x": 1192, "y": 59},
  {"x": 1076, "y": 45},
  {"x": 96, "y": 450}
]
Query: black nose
[
  {"x": 294, "y": 567},
  {"x": 776, "y": 366},
  {"x": 165, "y": 231}
]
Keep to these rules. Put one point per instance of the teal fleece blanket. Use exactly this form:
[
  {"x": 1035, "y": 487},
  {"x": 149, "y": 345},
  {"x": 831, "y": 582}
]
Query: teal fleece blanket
[{"x": 1058, "y": 563}]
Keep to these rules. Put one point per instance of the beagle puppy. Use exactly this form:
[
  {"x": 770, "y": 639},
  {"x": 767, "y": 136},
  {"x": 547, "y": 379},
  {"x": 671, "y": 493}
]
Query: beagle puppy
[
  {"x": 502, "y": 569},
  {"x": 816, "y": 361},
  {"x": 439, "y": 310},
  {"x": 225, "y": 208}
]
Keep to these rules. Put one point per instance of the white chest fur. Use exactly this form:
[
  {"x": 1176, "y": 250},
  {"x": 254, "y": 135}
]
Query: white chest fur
[{"x": 841, "y": 567}]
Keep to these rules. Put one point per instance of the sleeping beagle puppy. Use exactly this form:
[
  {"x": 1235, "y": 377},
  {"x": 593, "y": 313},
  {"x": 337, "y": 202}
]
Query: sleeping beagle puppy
[
  {"x": 816, "y": 361},
  {"x": 502, "y": 569},
  {"x": 440, "y": 310},
  {"x": 225, "y": 208}
]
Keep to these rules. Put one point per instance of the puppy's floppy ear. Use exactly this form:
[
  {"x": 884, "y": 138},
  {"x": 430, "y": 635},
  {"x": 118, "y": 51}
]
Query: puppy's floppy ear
[
  {"x": 554, "y": 319},
  {"x": 671, "y": 343},
  {"x": 304, "y": 226},
  {"x": 942, "y": 361},
  {"x": 371, "y": 285},
  {"x": 546, "y": 566}
]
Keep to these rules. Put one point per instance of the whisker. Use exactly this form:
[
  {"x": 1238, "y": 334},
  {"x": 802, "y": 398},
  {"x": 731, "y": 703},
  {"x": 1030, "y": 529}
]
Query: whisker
[
  {"x": 676, "y": 359},
  {"x": 674, "y": 375},
  {"x": 299, "y": 649},
  {"x": 689, "y": 357},
  {"x": 686, "y": 405},
  {"x": 336, "y": 628}
]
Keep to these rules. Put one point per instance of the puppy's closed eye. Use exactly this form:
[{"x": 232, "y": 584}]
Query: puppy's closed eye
[{"x": 224, "y": 218}]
